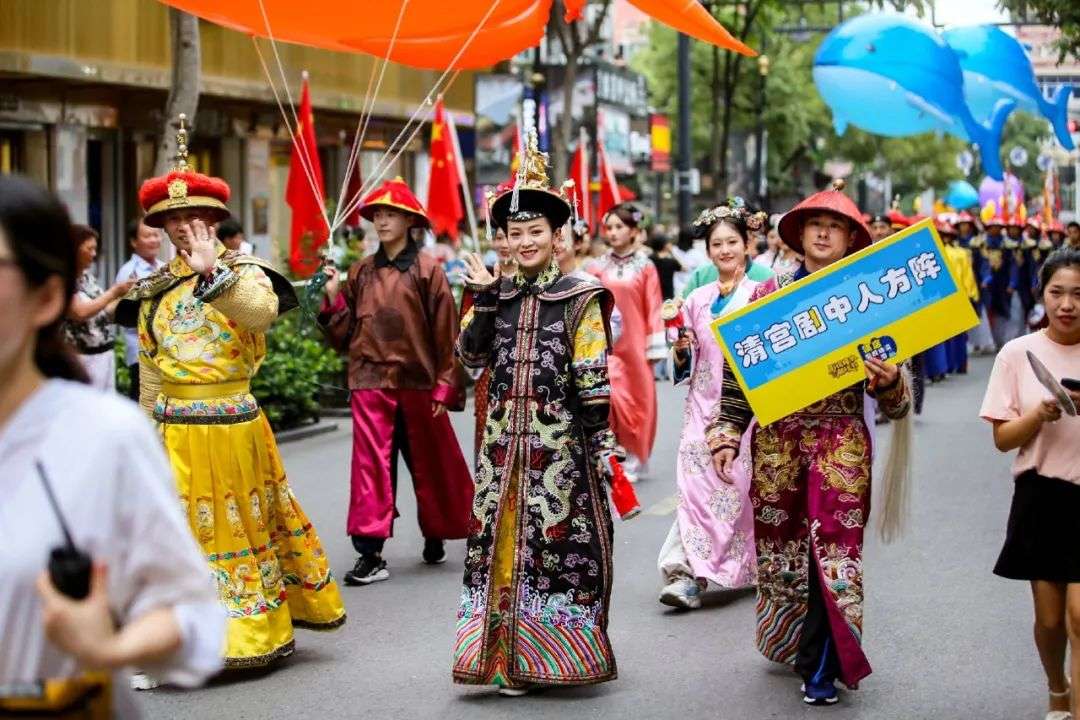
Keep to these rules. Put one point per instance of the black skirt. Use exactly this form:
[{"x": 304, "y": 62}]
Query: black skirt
[{"x": 1042, "y": 541}]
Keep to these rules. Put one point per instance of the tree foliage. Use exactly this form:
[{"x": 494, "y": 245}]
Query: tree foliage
[
  {"x": 575, "y": 39},
  {"x": 1062, "y": 14},
  {"x": 799, "y": 125}
]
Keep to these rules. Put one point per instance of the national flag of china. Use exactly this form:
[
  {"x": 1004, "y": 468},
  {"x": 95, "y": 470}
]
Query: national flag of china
[
  {"x": 444, "y": 186},
  {"x": 309, "y": 231}
]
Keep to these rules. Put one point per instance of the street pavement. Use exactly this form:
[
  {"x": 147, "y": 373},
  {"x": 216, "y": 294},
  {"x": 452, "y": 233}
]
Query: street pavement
[{"x": 946, "y": 638}]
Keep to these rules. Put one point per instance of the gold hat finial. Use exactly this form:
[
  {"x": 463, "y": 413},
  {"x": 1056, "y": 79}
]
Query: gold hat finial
[
  {"x": 181, "y": 145},
  {"x": 533, "y": 169}
]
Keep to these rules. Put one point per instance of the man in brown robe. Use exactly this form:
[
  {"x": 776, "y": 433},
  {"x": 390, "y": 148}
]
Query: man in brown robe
[{"x": 395, "y": 317}]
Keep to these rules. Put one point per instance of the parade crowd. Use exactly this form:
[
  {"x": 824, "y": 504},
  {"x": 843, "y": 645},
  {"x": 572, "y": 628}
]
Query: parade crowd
[{"x": 200, "y": 555}]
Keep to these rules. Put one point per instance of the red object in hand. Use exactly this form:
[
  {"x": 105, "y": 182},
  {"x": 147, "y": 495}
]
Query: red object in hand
[
  {"x": 671, "y": 314},
  {"x": 622, "y": 492}
]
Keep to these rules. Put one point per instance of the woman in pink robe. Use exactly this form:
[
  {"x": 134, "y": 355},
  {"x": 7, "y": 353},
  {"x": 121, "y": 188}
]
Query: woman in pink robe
[
  {"x": 631, "y": 277},
  {"x": 712, "y": 538}
]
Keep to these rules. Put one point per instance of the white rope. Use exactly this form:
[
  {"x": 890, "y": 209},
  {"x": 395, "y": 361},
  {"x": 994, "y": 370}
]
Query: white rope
[
  {"x": 309, "y": 172},
  {"x": 354, "y": 151},
  {"x": 368, "y": 109},
  {"x": 390, "y": 156},
  {"x": 381, "y": 167},
  {"x": 288, "y": 94},
  {"x": 387, "y": 161}
]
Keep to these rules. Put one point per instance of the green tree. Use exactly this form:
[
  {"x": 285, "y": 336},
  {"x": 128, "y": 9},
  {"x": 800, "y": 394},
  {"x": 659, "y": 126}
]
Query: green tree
[
  {"x": 1062, "y": 14},
  {"x": 798, "y": 123},
  {"x": 575, "y": 39},
  {"x": 1032, "y": 133}
]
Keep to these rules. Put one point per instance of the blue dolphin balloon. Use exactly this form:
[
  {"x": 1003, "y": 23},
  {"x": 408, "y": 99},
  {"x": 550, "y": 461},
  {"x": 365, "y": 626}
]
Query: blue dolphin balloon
[
  {"x": 891, "y": 75},
  {"x": 996, "y": 66}
]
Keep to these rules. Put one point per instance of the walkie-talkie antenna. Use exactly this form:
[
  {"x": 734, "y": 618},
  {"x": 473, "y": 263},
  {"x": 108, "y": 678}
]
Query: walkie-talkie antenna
[{"x": 55, "y": 506}]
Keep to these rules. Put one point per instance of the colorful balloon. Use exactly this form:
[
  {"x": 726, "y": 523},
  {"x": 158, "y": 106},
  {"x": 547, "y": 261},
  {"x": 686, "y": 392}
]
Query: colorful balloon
[
  {"x": 429, "y": 33},
  {"x": 1002, "y": 196},
  {"x": 893, "y": 76},
  {"x": 961, "y": 195}
]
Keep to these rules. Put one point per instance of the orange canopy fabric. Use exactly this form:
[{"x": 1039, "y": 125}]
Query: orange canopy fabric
[
  {"x": 492, "y": 44},
  {"x": 691, "y": 17},
  {"x": 429, "y": 35}
]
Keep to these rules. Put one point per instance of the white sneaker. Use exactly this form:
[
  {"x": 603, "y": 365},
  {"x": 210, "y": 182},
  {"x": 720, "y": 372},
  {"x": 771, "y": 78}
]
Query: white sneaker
[
  {"x": 142, "y": 681},
  {"x": 682, "y": 593}
]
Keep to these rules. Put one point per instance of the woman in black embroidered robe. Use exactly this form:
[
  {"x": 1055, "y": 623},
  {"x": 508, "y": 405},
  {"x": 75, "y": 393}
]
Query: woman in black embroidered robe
[{"x": 534, "y": 607}]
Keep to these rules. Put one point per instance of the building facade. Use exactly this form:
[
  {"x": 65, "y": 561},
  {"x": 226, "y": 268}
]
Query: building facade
[{"x": 83, "y": 87}]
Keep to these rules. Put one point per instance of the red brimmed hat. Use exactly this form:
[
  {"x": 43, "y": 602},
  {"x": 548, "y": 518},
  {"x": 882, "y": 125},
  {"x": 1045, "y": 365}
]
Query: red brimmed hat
[
  {"x": 834, "y": 201},
  {"x": 897, "y": 219},
  {"x": 183, "y": 188},
  {"x": 397, "y": 195},
  {"x": 943, "y": 225}
]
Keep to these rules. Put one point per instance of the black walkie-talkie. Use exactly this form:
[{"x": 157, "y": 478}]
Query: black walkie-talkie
[{"x": 69, "y": 567}]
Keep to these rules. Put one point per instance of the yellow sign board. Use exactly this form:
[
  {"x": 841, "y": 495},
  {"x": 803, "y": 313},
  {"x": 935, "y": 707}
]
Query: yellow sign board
[{"x": 808, "y": 340}]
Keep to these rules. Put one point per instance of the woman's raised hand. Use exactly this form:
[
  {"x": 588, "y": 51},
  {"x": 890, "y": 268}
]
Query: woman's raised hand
[{"x": 476, "y": 274}]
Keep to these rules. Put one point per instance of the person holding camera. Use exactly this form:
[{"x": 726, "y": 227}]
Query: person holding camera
[{"x": 83, "y": 465}]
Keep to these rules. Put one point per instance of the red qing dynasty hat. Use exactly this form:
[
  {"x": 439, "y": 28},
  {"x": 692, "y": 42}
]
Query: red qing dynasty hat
[
  {"x": 834, "y": 201},
  {"x": 898, "y": 219},
  {"x": 943, "y": 226},
  {"x": 183, "y": 188},
  {"x": 393, "y": 194}
]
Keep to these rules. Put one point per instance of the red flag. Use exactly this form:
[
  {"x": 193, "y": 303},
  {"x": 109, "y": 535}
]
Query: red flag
[
  {"x": 309, "y": 229},
  {"x": 356, "y": 184},
  {"x": 579, "y": 173},
  {"x": 609, "y": 188},
  {"x": 444, "y": 186}
]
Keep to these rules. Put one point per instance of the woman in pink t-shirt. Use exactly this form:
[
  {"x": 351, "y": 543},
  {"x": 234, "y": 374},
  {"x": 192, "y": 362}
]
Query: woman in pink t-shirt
[{"x": 1042, "y": 542}]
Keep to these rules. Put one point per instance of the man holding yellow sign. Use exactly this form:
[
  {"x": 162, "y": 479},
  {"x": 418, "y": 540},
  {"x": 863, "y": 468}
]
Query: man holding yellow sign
[{"x": 793, "y": 360}]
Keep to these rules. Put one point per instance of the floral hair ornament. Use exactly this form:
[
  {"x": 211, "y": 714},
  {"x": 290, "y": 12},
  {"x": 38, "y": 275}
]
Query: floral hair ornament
[{"x": 736, "y": 210}]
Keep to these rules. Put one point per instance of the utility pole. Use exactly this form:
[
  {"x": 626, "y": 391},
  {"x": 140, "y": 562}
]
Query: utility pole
[
  {"x": 682, "y": 172},
  {"x": 760, "y": 183}
]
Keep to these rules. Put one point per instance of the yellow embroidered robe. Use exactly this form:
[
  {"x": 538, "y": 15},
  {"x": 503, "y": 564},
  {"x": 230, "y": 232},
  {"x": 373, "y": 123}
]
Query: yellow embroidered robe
[{"x": 197, "y": 354}]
